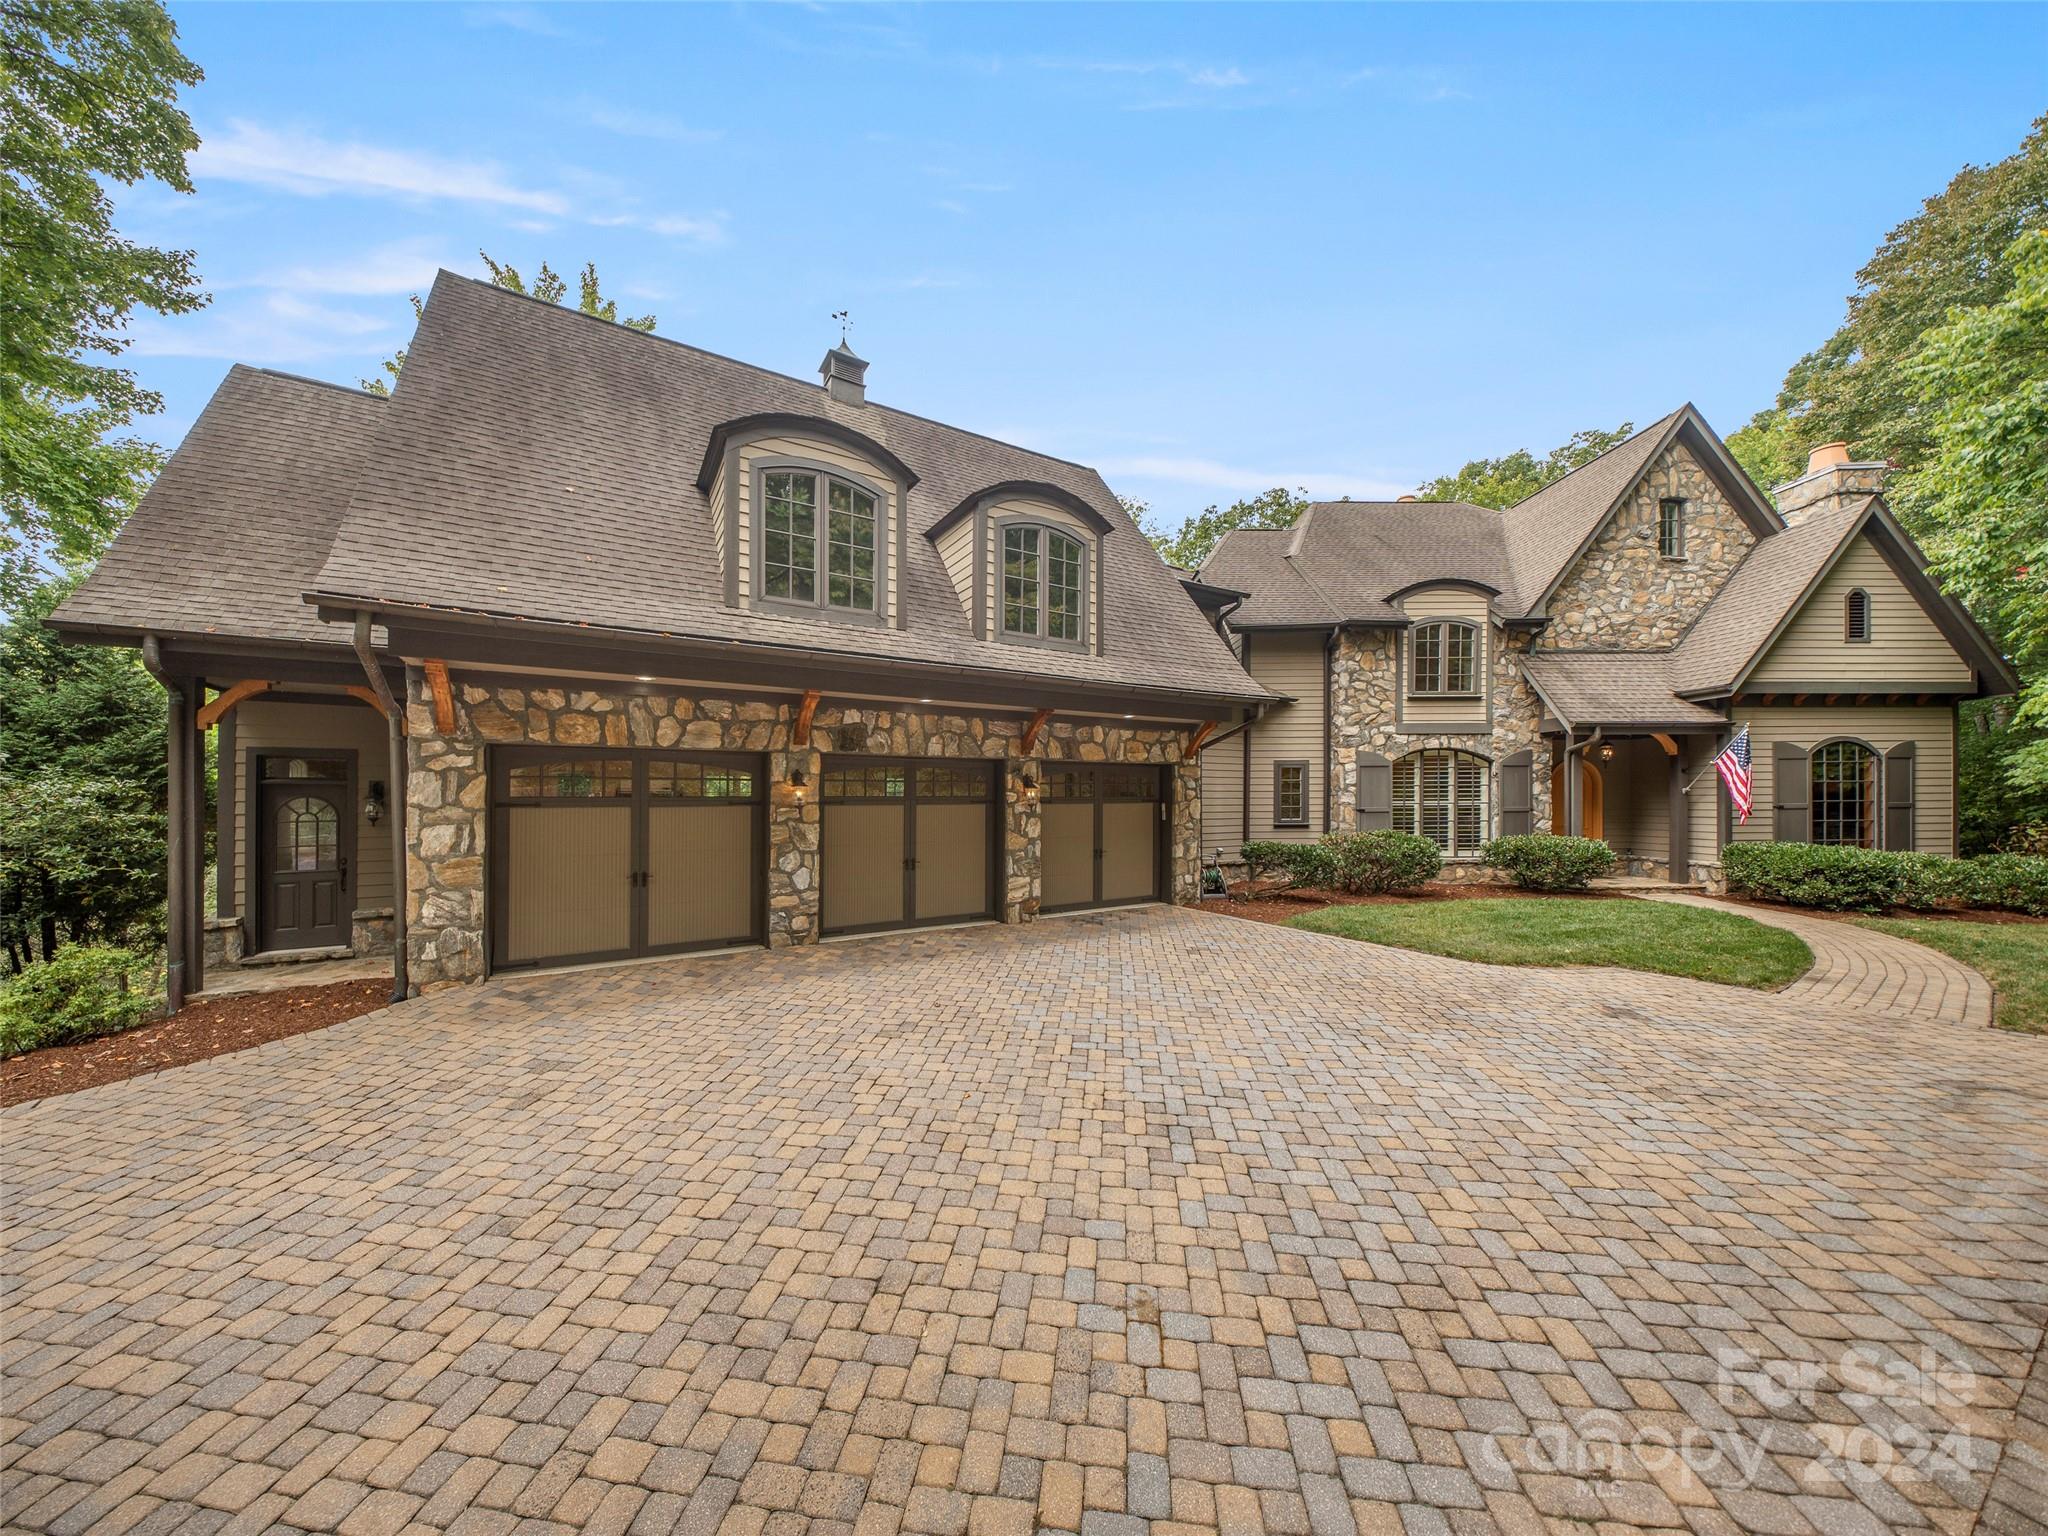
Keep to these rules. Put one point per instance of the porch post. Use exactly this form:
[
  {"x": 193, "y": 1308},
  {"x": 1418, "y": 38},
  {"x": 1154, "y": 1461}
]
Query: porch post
[
  {"x": 195, "y": 838},
  {"x": 1681, "y": 823},
  {"x": 394, "y": 719},
  {"x": 1574, "y": 789},
  {"x": 177, "y": 726}
]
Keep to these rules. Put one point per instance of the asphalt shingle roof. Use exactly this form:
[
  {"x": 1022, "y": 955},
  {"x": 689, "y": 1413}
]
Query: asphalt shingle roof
[
  {"x": 1613, "y": 688},
  {"x": 540, "y": 464},
  {"x": 228, "y": 538}
]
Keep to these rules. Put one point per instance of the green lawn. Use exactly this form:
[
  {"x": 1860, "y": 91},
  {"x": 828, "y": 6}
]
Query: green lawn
[
  {"x": 1528, "y": 930},
  {"x": 2013, "y": 955}
]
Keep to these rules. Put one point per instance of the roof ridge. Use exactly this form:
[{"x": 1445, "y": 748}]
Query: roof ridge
[
  {"x": 773, "y": 373},
  {"x": 1660, "y": 422},
  {"x": 307, "y": 378}
]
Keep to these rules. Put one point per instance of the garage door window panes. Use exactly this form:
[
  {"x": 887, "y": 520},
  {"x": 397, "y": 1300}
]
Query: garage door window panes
[
  {"x": 697, "y": 781},
  {"x": 608, "y": 778},
  {"x": 867, "y": 781}
]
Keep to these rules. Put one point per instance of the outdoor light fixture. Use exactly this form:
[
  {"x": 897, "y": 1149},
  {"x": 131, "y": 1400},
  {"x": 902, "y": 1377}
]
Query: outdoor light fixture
[
  {"x": 1029, "y": 784},
  {"x": 1606, "y": 751},
  {"x": 799, "y": 781},
  {"x": 373, "y": 804}
]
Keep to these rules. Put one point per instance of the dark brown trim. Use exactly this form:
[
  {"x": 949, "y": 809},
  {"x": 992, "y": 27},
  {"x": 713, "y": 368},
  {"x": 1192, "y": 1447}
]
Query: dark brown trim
[
  {"x": 1677, "y": 815},
  {"x": 777, "y": 422},
  {"x": 226, "y": 810},
  {"x": 1329, "y": 742},
  {"x": 1280, "y": 766},
  {"x": 195, "y": 840},
  {"x": 1026, "y": 490},
  {"x": 1464, "y": 582},
  {"x": 1244, "y": 785}
]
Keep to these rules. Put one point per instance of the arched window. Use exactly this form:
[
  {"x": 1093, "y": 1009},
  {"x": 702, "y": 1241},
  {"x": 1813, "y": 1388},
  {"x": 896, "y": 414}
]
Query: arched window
[
  {"x": 820, "y": 540},
  {"x": 308, "y": 835},
  {"x": 1845, "y": 798},
  {"x": 1856, "y": 616},
  {"x": 1442, "y": 796},
  {"x": 1446, "y": 658},
  {"x": 1045, "y": 582}
]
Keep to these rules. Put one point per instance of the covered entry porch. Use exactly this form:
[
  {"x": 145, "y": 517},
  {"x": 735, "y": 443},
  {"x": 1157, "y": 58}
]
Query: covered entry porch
[{"x": 1651, "y": 796}]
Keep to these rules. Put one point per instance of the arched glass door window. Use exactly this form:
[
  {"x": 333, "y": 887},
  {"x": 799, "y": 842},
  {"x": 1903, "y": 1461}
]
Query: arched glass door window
[
  {"x": 1845, "y": 795},
  {"x": 308, "y": 835}
]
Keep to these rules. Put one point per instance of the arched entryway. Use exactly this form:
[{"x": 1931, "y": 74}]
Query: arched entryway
[{"x": 1593, "y": 799}]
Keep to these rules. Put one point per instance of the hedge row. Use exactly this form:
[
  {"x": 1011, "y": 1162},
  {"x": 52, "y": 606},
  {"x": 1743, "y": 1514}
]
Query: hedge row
[
  {"x": 1357, "y": 863},
  {"x": 1870, "y": 879}
]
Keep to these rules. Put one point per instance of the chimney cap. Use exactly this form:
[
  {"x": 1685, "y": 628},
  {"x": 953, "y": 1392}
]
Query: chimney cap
[
  {"x": 1409, "y": 497},
  {"x": 1827, "y": 456}
]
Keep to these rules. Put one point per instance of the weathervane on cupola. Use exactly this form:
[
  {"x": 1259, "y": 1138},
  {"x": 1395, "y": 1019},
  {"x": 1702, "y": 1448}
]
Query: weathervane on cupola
[{"x": 844, "y": 374}]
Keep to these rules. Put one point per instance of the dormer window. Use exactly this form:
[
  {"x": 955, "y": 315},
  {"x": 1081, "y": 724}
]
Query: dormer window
[
  {"x": 820, "y": 536},
  {"x": 1445, "y": 659},
  {"x": 1045, "y": 584}
]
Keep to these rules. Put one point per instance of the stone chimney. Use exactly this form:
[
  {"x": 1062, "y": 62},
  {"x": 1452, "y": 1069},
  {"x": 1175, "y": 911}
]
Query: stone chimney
[
  {"x": 1831, "y": 479},
  {"x": 845, "y": 376}
]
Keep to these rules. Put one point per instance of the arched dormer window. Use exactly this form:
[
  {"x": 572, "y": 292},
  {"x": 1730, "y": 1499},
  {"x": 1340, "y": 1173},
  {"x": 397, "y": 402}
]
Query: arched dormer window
[
  {"x": 1445, "y": 659},
  {"x": 821, "y": 538},
  {"x": 1044, "y": 573},
  {"x": 1856, "y": 617}
]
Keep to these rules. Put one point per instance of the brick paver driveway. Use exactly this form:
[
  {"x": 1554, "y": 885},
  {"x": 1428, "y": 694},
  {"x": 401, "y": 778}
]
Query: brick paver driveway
[{"x": 1159, "y": 1217}]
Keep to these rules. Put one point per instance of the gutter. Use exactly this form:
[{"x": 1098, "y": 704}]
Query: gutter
[
  {"x": 1574, "y": 819},
  {"x": 394, "y": 719}
]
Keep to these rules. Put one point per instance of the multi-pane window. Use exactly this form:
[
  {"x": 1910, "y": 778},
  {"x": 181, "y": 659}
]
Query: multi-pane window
[
  {"x": 1044, "y": 583},
  {"x": 1671, "y": 528},
  {"x": 1845, "y": 795},
  {"x": 800, "y": 563},
  {"x": 1290, "y": 794},
  {"x": 1441, "y": 795},
  {"x": 308, "y": 835},
  {"x": 1446, "y": 658},
  {"x": 866, "y": 781},
  {"x": 671, "y": 780},
  {"x": 1856, "y": 616},
  {"x": 572, "y": 779}
]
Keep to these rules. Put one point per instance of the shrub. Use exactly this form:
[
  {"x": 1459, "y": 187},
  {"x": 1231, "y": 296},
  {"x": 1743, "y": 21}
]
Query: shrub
[
  {"x": 1540, "y": 861},
  {"x": 1373, "y": 863},
  {"x": 2011, "y": 882},
  {"x": 1817, "y": 875},
  {"x": 1929, "y": 882},
  {"x": 1302, "y": 863},
  {"x": 88, "y": 990}
]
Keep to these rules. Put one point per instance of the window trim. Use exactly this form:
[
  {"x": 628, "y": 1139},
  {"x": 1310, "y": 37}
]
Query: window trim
[
  {"x": 757, "y": 525},
  {"x": 1874, "y": 806},
  {"x": 1280, "y": 770},
  {"x": 1447, "y": 624},
  {"x": 1849, "y": 635},
  {"x": 1414, "y": 803},
  {"x": 1677, "y": 549},
  {"x": 999, "y": 528}
]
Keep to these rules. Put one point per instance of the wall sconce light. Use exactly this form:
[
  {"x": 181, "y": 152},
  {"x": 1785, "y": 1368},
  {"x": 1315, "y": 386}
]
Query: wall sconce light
[
  {"x": 1606, "y": 751},
  {"x": 1029, "y": 785},
  {"x": 373, "y": 803},
  {"x": 799, "y": 785}
]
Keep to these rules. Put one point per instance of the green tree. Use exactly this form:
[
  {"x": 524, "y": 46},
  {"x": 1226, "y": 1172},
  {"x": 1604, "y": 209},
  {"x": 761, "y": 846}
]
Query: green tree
[
  {"x": 1503, "y": 482},
  {"x": 1853, "y": 387},
  {"x": 1190, "y": 544},
  {"x": 1991, "y": 805},
  {"x": 1978, "y": 499},
  {"x": 88, "y": 97},
  {"x": 548, "y": 286},
  {"x": 82, "y": 745}
]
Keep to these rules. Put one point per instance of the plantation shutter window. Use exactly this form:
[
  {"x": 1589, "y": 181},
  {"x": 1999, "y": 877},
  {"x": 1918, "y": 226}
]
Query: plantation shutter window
[{"x": 1789, "y": 822}]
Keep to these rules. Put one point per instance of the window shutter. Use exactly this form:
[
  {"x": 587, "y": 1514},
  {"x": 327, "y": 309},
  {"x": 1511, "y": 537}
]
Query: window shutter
[
  {"x": 1898, "y": 797},
  {"x": 1517, "y": 808},
  {"x": 1375, "y": 792},
  {"x": 1790, "y": 793}
]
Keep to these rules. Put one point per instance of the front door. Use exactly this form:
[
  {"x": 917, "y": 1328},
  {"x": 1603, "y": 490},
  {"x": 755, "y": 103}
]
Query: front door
[{"x": 305, "y": 901}]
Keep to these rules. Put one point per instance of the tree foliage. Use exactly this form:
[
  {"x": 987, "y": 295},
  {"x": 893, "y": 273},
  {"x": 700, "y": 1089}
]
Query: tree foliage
[
  {"x": 1190, "y": 544},
  {"x": 547, "y": 286},
  {"x": 1503, "y": 482},
  {"x": 1978, "y": 498},
  {"x": 88, "y": 96}
]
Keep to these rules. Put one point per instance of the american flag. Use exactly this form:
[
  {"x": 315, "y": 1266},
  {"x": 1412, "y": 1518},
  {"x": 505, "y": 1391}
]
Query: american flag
[{"x": 1733, "y": 766}]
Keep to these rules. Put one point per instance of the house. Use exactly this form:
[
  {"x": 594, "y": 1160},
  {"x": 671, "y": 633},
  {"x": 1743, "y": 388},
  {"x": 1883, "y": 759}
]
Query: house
[
  {"x": 1575, "y": 663},
  {"x": 588, "y": 645}
]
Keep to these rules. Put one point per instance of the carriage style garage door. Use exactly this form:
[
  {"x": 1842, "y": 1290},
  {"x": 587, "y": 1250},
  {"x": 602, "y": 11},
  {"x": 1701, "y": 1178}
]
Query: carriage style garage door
[
  {"x": 1101, "y": 834},
  {"x": 599, "y": 855},
  {"x": 906, "y": 841}
]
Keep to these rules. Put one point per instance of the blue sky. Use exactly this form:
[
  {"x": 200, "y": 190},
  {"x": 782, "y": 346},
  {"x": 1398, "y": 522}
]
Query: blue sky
[{"x": 1207, "y": 250}]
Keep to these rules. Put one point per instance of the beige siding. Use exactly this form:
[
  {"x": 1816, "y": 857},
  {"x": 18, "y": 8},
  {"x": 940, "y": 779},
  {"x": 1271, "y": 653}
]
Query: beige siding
[
  {"x": 1904, "y": 647},
  {"x": 1290, "y": 663},
  {"x": 833, "y": 456},
  {"x": 722, "y": 526},
  {"x": 1222, "y": 797},
  {"x": 276, "y": 727},
  {"x": 956, "y": 550},
  {"x": 1703, "y": 801},
  {"x": 1638, "y": 800},
  {"x": 1446, "y": 603},
  {"x": 1929, "y": 728},
  {"x": 1042, "y": 512}
]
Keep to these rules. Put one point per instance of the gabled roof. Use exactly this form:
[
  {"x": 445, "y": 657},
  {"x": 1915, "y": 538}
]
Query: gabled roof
[
  {"x": 227, "y": 539},
  {"x": 1631, "y": 688},
  {"x": 1749, "y": 613},
  {"x": 541, "y": 467}
]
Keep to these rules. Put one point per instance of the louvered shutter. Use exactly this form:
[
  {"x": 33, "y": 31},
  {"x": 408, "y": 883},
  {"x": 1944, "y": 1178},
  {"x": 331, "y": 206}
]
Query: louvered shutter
[
  {"x": 1517, "y": 805},
  {"x": 1375, "y": 792},
  {"x": 1898, "y": 797},
  {"x": 1790, "y": 794}
]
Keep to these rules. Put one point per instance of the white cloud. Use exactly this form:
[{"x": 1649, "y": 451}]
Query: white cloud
[
  {"x": 635, "y": 124},
  {"x": 401, "y": 266},
  {"x": 1214, "y": 475},
  {"x": 706, "y": 230},
  {"x": 1208, "y": 76},
  {"x": 516, "y": 18},
  {"x": 1219, "y": 79},
  {"x": 273, "y": 327},
  {"x": 314, "y": 167}
]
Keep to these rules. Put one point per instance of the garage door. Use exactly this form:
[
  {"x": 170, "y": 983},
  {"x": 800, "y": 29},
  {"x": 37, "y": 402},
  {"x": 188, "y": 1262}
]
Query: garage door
[
  {"x": 610, "y": 855},
  {"x": 1100, "y": 835},
  {"x": 906, "y": 841}
]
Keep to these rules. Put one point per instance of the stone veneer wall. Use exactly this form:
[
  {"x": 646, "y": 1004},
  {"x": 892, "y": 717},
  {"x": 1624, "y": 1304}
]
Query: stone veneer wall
[
  {"x": 1622, "y": 594},
  {"x": 447, "y": 791},
  {"x": 1364, "y": 680}
]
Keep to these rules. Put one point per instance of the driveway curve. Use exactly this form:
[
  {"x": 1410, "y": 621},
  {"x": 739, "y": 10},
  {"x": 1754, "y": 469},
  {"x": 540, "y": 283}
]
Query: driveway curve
[{"x": 1152, "y": 1221}]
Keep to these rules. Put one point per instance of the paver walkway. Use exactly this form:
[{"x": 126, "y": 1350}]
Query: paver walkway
[
  {"x": 1869, "y": 974},
  {"x": 1158, "y": 1221}
]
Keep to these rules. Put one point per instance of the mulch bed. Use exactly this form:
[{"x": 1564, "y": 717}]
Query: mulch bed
[
  {"x": 195, "y": 1032},
  {"x": 1270, "y": 904}
]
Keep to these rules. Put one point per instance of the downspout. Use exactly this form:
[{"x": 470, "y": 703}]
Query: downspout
[
  {"x": 1329, "y": 765},
  {"x": 176, "y": 887},
  {"x": 394, "y": 719},
  {"x": 1574, "y": 793}
]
